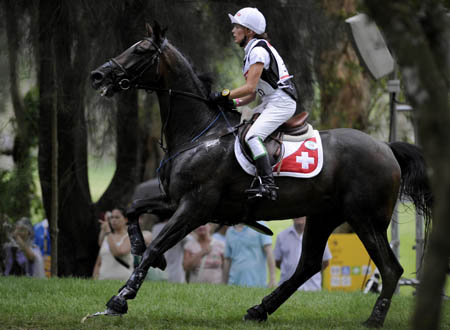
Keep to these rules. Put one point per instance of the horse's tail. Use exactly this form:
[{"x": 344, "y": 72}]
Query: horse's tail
[{"x": 414, "y": 183}]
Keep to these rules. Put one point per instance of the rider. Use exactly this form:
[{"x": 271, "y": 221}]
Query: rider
[{"x": 266, "y": 74}]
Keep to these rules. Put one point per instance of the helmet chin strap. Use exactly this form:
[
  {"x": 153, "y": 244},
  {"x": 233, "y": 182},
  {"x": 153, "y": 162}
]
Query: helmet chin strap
[{"x": 243, "y": 41}]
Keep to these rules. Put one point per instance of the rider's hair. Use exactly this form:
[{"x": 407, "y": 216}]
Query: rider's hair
[{"x": 263, "y": 35}]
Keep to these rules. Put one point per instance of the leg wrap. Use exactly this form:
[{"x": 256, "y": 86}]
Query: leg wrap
[{"x": 136, "y": 239}]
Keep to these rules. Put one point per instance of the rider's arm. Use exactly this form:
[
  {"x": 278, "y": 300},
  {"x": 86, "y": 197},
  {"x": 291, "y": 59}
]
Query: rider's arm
[
  {"x": 246, "y": 99},
  {"x": 249, "y": 88}
]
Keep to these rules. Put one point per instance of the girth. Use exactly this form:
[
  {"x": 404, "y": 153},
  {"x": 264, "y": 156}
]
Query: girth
[{"x": 295, "y": 126}]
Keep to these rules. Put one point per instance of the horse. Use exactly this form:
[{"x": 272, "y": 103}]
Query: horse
[{"x": 360, "y": 182}]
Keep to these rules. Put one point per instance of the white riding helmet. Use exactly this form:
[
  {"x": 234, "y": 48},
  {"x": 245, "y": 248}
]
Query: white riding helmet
[{"x": 250, "y": 18}]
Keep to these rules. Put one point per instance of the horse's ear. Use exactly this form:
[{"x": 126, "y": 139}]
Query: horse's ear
[
  {"x": 159, "y": 33},
  {"x": 149, "y": 29}
]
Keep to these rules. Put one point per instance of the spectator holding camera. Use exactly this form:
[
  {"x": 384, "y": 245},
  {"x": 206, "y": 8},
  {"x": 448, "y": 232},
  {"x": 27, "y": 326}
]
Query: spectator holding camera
[
  {"x": 114, "y": 260},
  {"x": 22, "y": 257}
]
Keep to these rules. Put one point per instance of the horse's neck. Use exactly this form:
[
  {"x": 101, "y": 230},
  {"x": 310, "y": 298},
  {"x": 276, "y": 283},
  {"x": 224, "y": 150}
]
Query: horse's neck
[{"x": 186, "y": 117}]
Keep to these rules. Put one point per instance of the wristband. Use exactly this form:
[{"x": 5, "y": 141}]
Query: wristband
[{"x": 236, "y": 102}]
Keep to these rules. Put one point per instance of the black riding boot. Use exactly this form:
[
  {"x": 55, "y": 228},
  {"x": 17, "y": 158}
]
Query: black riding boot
[{"x": 267, "y": 187}]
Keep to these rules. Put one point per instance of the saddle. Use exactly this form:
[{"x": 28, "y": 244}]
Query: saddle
[{"x": 294, "y": 127}]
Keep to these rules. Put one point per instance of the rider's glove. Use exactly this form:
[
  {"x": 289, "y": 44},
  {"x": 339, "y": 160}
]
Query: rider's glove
[{"x": 222, "y": 98}]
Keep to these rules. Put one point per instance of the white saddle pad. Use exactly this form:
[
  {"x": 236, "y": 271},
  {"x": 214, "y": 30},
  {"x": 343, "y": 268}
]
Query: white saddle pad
[{"x": 303, "y": 159}]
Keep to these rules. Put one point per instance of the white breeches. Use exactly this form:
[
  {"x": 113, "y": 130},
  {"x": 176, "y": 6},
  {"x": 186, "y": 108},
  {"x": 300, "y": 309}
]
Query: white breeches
[{"x": 275, "y": 110}]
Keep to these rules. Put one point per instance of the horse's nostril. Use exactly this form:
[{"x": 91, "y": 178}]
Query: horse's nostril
[{"x": 97, "y": 76}]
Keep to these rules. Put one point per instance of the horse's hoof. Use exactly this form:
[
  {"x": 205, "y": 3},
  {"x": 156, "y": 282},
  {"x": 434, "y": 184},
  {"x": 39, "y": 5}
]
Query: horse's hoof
[
  {"x": 371, "y": 323},
  {"x": 117, "y": 305},
  {"x": 256, "y": 313}
]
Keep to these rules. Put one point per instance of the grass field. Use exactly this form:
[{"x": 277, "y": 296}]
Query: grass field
[{"x": 61, "y": 304}]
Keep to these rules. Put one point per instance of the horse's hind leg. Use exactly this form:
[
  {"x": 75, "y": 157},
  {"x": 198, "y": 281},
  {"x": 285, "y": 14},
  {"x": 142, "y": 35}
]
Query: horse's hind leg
[
  {"x": 374, "y": 237},
  {"x": 317, "y": 231}
]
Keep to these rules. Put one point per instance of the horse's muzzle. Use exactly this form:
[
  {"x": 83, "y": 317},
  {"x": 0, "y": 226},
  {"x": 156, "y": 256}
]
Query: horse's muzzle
[{"x": 97, "y": 78}]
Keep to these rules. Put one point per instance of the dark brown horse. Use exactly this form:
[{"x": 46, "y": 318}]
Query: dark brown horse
[{"x": 360, "y": 181}]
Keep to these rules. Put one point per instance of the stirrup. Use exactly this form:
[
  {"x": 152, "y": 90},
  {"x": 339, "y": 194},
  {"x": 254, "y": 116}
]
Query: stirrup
[{"x": 263, "y": 190}]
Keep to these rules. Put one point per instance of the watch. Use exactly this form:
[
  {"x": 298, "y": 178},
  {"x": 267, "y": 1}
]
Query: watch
[{"x": 226, "y": 92}]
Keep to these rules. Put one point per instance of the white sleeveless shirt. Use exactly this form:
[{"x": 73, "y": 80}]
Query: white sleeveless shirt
[
  {"x": 260, "y": 55},
  {"x": 110, "y": 268}
]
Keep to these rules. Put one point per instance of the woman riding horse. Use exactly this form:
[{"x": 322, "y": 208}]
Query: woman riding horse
[
  {"x": 359, "y": 183},
  {"x": 265, "y": 73}
]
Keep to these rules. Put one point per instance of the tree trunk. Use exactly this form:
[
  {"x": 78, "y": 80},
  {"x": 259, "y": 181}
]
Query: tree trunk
[
  {"x": 23, "y": 139},
  {"x": 421, "y": 28},
  {"x": 77, "y": 248},
  {"x": 65, "y": 60},
  {"x": 47, "y": 96}
]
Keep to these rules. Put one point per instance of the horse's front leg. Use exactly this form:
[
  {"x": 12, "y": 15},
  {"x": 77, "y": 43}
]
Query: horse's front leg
[
  {"x": 187, "y": 217},
  {"x": 158, "y": 206}
]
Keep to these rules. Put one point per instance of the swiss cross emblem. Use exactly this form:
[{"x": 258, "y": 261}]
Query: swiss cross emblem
[{"x": 303, "y": 160}]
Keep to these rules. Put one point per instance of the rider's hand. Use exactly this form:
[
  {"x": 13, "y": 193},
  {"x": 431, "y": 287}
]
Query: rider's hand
[{"x": 222, "y": 99}]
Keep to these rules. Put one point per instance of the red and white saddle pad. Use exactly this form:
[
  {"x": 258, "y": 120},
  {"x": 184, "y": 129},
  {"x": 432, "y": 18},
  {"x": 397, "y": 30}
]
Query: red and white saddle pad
[{"x": 303, "y": 159}]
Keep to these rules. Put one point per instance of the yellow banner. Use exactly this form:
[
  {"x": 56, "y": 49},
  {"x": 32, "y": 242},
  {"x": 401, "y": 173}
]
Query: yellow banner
[{"x": 350, "y": 267}]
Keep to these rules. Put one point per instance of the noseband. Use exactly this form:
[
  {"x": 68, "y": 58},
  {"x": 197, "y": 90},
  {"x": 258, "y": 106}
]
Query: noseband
[{"x": 138, "y": 69}]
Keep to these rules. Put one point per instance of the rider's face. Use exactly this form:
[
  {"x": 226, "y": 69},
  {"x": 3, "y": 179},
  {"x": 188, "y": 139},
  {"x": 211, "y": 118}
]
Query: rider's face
[{"x": 238, "y": 33}]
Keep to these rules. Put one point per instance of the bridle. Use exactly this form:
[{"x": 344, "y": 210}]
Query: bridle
[
  {"x": 126, "y": 80},
  {"x": 127, "y": 77}
]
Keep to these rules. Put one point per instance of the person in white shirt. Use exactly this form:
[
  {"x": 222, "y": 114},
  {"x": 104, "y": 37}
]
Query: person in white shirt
[
  {"x": 266, "y": 74},
  {"x": 288, "y": 249}
]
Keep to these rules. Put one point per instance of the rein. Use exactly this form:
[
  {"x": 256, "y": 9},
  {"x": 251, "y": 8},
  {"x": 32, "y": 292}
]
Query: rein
[{"x": 171, "y": 92}]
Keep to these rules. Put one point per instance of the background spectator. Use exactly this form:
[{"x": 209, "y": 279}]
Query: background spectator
[
  {"x": 203, "y": 257},
  {"x": 114, "y": 260},
  {"x": 288, "y": 249},
  {"x": 174, "y": 256},
  {"x": 220, "y": 233},
  {"x": 22, "y": 256},
  {"x": 42, "y": 240},
  {"x": 246, "y": 255}
]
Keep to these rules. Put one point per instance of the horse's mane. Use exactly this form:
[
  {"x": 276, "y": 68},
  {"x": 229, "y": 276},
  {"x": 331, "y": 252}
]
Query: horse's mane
[{"x": 205, "y": 78}]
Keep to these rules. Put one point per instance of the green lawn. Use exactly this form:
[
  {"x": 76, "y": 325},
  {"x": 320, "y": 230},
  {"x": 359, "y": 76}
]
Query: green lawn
[{"x": 61, "y": 304}]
